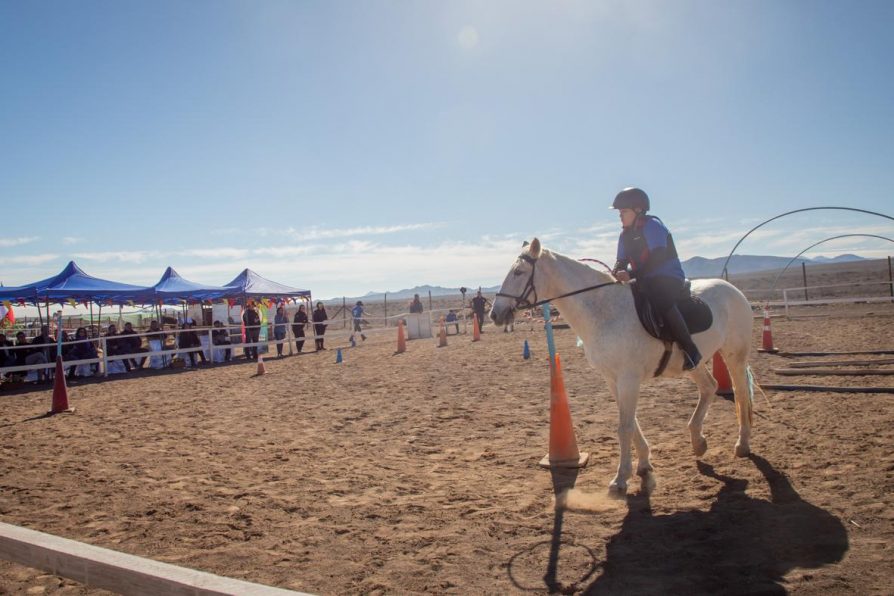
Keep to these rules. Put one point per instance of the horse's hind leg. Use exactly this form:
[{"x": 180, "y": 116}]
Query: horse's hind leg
[
  {"x": 643, "y": 453},
  {"x": 707, "y": 387}
]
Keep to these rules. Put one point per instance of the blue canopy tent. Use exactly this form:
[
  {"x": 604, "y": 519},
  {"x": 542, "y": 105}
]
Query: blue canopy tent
[
  {"x": 249, "y": 284},
  {"x": 173, "y": 288},
  {"x": 72, "y": 283}
]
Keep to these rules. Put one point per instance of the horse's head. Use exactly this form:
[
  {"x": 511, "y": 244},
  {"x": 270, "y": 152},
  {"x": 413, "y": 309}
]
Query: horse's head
[{"x": 517, "y": 290}]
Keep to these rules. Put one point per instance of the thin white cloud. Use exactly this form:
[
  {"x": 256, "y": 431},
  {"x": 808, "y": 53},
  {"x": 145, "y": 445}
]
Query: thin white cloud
[
  {"x": 285, "y": 251},
  {"x": 214, "y": 253},
  {"x": 70, "y": 240},
  {"x": 29, "y": 260},
  {"x": 317, "y": 233},
  {"x": 122, "y": 256},
  {"x": 8, "y": 242}
]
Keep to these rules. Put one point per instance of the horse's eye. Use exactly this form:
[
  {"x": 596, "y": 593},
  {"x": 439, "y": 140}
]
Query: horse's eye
[{"x": 518, "y": 272}]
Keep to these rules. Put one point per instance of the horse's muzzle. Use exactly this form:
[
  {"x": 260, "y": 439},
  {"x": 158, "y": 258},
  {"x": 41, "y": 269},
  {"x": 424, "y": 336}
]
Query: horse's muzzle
[{"x": 501, "y": 315}]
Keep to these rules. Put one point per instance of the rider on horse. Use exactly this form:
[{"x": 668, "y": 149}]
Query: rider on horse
[{"x": 646, "y": 252}]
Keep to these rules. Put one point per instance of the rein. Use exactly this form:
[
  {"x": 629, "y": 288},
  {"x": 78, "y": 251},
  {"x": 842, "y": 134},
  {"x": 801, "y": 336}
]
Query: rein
[{"x": 522, "y": 300}]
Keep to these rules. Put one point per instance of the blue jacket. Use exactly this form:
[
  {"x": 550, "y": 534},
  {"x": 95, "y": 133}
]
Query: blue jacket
[{"x": 648, "y": 247}]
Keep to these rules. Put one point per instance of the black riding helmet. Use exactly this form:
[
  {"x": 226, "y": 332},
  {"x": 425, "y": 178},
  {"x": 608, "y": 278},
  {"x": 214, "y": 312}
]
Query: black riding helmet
[{"x": 631, "y": 198}]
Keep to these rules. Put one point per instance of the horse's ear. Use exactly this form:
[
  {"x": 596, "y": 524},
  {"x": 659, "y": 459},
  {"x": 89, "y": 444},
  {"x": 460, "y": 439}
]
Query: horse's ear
[
  {"x": 535, "y": 248},
  {"x": 525, "y": 243}
]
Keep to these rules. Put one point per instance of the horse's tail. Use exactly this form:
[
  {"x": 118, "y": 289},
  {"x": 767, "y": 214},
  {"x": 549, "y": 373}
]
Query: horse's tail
[{"x": 749, "y": 374}]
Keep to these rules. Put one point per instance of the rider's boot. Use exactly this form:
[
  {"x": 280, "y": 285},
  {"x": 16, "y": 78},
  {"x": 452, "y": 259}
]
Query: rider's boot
[{"x": 677, "y": 325}]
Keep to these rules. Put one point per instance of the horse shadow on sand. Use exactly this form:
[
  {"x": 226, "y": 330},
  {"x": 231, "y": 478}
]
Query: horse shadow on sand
[{"x": 741, "y": 545}]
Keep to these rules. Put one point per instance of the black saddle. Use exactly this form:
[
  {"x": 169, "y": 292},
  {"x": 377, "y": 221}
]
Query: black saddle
[{"x": 695, "y": 311}]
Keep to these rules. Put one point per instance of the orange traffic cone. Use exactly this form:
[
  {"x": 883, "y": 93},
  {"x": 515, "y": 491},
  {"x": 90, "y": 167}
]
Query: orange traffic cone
[
  {"x": 767, "y": 339},
  {"x": 721, "y": 375},
  {"x": 563, "y": 452},
  {"x": 442, "y": 336},
  {"x": 401, "y": 338},
  {"x": 60, "y": 391},
  {"x": 476, "y": 330},
  {"x": 262, "y": 370}
]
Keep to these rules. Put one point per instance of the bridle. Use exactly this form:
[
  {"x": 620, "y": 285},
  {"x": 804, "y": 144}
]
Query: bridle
[{"x": 522, "y": 301}]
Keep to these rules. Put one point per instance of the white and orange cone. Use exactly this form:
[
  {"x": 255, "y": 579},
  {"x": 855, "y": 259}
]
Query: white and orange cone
[{"x": 767, "y": 337}]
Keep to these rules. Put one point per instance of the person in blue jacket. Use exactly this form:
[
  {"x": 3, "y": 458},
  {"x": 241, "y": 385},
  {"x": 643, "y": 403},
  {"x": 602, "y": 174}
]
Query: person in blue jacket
[
  {"x": 646, "y": 253},
  {"x": 357, "y": 319}
]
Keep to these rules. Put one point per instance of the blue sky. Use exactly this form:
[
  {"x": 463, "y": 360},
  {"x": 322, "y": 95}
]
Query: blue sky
[{"x": 354, "y": 146}]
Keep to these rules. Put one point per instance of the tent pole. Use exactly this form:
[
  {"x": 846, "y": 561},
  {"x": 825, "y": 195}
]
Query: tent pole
[{"x": 91, "y": 315}]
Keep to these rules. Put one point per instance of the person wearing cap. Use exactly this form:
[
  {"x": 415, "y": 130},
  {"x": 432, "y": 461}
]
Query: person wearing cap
[
  {"x": 647, "y": 254},
  {"x": 479, "y": 306},
  {"x": 357, "y": 317}
]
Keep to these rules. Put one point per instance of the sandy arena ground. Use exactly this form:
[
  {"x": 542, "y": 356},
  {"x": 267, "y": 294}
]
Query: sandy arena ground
[{"x": 418, "y": 473}]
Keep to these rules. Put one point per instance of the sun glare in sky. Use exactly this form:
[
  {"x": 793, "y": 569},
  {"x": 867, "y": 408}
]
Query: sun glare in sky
[{"x": 468, "y": 37}]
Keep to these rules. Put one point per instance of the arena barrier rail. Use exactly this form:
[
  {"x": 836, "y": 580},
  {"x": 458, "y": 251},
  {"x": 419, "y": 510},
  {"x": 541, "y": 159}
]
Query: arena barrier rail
[
  {"x": 98, "y": 567},
  {"x": 209, "y": 348}
]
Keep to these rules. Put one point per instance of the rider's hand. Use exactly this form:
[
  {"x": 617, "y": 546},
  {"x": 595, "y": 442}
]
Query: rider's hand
[{"x": 622, "y": 276}]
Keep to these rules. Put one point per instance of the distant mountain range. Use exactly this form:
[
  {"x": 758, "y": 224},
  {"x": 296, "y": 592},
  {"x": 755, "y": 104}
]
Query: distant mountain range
[
  {"x": 702, "y": 267},
  {"x": 695, "y": 267},
  {"x": 423, "y": 291}
]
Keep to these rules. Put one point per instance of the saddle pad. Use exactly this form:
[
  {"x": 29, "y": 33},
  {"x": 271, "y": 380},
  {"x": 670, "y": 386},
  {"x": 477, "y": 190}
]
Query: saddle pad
[{"x": 695, "y": 311}]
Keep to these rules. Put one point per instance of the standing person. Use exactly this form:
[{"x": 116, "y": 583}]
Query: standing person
[
  {"x": 298, "y": 325},
  {"x": 280, "y": 320},
  {"x": 479, "y": 306},
  {"x": 5, "y": 358},
  {"x": 416, "y": 305},
  {"x": 646, "y": 253},
  {"x": 252, "y": 321},
  {"x": 319, "y": 318},
  {"x": 357, "y": 319}
]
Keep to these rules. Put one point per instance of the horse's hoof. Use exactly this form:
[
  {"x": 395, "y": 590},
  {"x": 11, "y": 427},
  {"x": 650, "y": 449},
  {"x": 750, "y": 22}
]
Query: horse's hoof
[
  {"x": 647, "y": 482},
  {"x": 616, "y": 491},
  {"x": 742, "y": 450},
  {"x": 700, "y": 447}
]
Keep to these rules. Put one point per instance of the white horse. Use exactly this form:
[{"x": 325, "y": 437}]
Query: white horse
[{"x": 604, "y": 317}]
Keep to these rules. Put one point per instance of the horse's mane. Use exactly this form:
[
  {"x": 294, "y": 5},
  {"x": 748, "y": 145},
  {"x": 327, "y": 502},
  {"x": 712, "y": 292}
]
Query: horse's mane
[{"x": 577, "y": 267}]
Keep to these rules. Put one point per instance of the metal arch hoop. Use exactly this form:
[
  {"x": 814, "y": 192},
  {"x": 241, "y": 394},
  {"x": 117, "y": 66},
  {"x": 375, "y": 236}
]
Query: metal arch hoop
[
  {"x": 725, "y": 274},
  {"x": 795, "y": 258}
]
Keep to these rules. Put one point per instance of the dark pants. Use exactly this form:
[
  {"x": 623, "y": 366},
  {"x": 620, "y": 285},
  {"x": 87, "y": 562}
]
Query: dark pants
[
  {"x": 192, "y": 357},
  {"x": 299, "y": 337},
  {"x": 142, "y": 361},
  {"x": 251, "y": 337},
  {"x": 663, "y": 292},
  {"x": 480, "y": 316},
  {"x": 319, "y": 330},
  {"x": 227, "y": 351},
  {"x": 279, "y": 337}
]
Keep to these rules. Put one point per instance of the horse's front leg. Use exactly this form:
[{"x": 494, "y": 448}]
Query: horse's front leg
[{"x": 626, "y": 393}]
